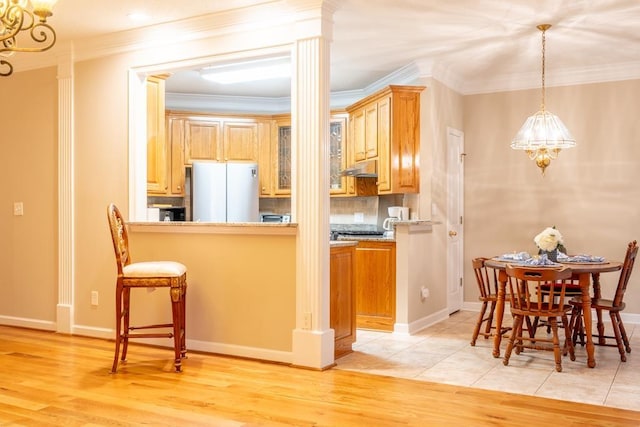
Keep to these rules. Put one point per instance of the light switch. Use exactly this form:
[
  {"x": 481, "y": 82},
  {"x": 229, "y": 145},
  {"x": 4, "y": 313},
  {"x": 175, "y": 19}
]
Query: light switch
[{"x": 18, "y": 209}]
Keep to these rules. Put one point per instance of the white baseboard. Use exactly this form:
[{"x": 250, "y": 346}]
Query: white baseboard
[
  {"x": 195, "y": 345},
  {"x": 22, "y": 322},
  {"x": 420, "y": 324}
]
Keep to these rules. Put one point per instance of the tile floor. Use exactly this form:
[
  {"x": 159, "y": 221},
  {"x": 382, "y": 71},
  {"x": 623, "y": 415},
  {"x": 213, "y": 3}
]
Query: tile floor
[{"x": 442, "y": 353}]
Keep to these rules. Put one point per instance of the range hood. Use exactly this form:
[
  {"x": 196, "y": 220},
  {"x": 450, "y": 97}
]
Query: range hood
[{"x": 366, "y": 169}]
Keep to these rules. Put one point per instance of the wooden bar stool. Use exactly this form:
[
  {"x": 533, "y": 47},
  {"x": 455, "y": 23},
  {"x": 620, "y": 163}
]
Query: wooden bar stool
[{"x": 153, "y": 274}]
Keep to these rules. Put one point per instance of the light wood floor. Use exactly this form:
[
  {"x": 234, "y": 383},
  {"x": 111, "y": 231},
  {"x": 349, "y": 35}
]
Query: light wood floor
[{"x": 53, "y": 379}]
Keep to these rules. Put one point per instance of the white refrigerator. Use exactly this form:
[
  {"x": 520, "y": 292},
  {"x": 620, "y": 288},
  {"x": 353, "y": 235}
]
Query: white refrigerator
[{"x": 224, "y": 192}]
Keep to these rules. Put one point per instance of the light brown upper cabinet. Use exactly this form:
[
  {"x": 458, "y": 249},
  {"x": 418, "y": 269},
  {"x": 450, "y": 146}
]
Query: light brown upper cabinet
[
  {"x": 338, "y": 148},
  {"x": 390, "y": 121},
  {"x": 277, "y": 181},
  {"x": 240, "y": 140},
  {"x": 156, "y": 139},
  {"x": 218, "y": 138},
  {"x": 202, "y": 139},
  {"x": 175, "y": 142}
]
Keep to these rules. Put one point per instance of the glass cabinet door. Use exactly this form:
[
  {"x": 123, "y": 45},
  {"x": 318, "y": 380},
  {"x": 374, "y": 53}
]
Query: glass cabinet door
[
  {"x": 283, "y": 176},
  {"x": 337, "y": 155}
]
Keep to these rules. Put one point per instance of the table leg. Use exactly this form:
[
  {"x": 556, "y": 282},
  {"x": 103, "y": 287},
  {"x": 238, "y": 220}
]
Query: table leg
[
  {"x": 595, "y": 277},
  {"x": 502, "y": 281},
  {"x": 586, "y": 316}
]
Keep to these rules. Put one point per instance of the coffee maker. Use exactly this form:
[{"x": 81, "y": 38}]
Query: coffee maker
[{"x": 396, "y": 213}]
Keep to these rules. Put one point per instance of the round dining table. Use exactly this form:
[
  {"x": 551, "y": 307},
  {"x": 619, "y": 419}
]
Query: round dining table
[{"x": 584, "y": 272}]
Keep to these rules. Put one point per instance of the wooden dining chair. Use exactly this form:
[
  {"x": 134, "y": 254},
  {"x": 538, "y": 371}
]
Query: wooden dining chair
[
  {"x": 527, "y": 301},
  {"x": 487, "y": 280},
  {"x": 613, "y": 306},
  {"x": 151, "y": 274}
]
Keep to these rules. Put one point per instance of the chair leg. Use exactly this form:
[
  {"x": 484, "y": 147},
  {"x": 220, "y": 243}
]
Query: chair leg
[
  {"x": 118, "y": 328},
  {"x": 568, "y": 343},
  {"x": 176, "y": 307},
  {"x": 623, "y": 332},
  {"x": 487, "y": 330},
  {"x": 600, "y": 326},
  {"x": 126, "y": 310},
  {"x": 476, "y": 330},
  {"x": 183, "y": 341},
  {"x": 516, "y": 331},
  {"x": 553, "y": 323},
  {"x": 615, "y": 325}
]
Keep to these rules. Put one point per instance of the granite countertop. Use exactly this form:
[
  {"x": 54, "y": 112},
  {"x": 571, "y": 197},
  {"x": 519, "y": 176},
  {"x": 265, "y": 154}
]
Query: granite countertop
[
  {"x": 340, "y": 243},
  {"x": 361, "y": 238}
]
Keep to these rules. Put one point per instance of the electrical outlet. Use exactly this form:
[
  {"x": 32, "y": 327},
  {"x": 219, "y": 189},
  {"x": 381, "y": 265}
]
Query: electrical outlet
[
  {"x": 94, "y": 297},
  {"x": 18, "y": 209},
  {"x": 424, "y": 293}
]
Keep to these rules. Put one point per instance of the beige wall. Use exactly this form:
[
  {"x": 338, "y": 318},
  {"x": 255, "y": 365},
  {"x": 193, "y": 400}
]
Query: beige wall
[
  {"x": 101, "y": 177},
  {"x": 241, "y": 289},
  {"x": 441, "y": 108},
  {"x": 590, "y": 193},
  {"x": 29, "y": 251}
]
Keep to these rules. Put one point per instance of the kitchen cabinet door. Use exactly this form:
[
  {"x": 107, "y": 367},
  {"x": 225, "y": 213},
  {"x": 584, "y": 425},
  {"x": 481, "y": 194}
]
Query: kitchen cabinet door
[
  {"x": 375, "y": 283},
  {"x": 156, "y": 138},
  {"x": 240, "y": 141},
  {"x": 384, "y": 144},
  {"x": 338, "y": 155},
  {"x": 364, "y": 132},
  {"x": 342, "y": 299},
  {"x": 203, "y": 140},
  {"x": 283, "y": 162},
  {"x": 176, "y": 175}
]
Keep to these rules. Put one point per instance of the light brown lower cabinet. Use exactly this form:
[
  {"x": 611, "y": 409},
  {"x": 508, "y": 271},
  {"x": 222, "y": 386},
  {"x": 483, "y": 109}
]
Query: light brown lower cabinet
[
  {"x": 375, "y": 284},
  {"x": 343, "y": 314}
]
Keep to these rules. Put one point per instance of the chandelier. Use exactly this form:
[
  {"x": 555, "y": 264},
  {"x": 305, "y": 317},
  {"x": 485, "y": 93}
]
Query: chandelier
[
  {"x": 543, "y": 135},
  {"x": 21, "y": 31}
]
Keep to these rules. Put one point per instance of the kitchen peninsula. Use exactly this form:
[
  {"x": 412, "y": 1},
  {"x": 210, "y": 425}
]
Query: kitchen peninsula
[{"x": 251, "y": 270}]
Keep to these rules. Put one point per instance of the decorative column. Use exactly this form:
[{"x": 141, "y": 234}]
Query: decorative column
[
  {"x": 64, "y": 318},
  {"x": 313, "y": 340}
]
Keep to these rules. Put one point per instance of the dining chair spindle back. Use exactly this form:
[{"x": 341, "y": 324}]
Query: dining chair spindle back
[{"x": 527, "y": 300}]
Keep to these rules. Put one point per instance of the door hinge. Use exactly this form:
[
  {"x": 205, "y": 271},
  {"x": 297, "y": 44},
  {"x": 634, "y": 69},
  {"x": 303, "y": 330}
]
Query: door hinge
[{"x": 461, "y": 282}]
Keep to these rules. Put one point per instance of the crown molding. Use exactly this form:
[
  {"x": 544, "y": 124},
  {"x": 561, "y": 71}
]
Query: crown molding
[
  {"x": 564, "y": 77},
  {"x": 227, "y": 103}
]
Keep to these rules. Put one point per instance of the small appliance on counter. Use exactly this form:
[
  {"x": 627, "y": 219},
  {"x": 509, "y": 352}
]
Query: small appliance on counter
[
  {"x": 388, "y": 224},
  {"x": 172, "y": 214},
  {"x": 269, "y": 217}
]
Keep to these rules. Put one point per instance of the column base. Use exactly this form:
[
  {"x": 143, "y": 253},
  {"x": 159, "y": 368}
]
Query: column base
[{"x": 313, "y": 349}]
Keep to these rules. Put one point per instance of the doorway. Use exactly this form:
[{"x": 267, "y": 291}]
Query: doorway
[{"x": 455, "y": 229}]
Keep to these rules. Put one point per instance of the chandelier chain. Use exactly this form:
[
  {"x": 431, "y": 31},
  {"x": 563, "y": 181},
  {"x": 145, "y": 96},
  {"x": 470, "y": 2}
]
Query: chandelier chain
[{"x": 543, "y": 66}]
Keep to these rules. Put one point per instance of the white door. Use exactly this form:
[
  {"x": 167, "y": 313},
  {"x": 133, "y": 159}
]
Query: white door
[{"x": 455, "y": 201}]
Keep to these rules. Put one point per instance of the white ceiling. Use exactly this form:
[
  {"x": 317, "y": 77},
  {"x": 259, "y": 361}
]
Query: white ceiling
[{"x": 472, "y": 45}]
